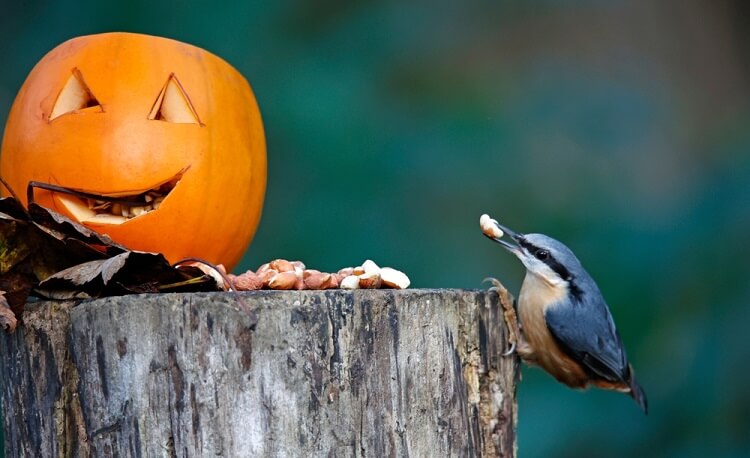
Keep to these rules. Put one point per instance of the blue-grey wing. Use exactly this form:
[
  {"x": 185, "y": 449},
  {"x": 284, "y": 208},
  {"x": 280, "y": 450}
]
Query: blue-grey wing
[{"x": 586, "y": 331}]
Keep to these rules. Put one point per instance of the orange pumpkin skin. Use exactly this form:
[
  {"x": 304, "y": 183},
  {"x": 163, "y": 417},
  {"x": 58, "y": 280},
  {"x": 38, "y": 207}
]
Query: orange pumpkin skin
[{"x": 213, "y": 211}]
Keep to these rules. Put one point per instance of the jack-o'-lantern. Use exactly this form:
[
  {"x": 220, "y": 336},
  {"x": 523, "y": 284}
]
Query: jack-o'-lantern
[{"x": 163, "y": 141}]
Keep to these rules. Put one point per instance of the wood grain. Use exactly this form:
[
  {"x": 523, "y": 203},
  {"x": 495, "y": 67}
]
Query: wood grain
[{"x": 308, "y": 373}]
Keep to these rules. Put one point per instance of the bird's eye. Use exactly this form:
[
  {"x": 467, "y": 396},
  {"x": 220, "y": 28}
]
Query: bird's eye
[{"x": 541, "y": 254}]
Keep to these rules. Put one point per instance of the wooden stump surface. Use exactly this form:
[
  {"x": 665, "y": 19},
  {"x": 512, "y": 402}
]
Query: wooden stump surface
[{"x": 308, "y": 373}]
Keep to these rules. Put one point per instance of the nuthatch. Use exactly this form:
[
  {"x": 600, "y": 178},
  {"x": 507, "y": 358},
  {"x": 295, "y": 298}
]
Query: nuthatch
[{"x": 567, "y": 328}]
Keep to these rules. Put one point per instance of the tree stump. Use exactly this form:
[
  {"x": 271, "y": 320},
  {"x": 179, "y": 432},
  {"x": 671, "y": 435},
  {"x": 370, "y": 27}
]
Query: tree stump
[{"x": 307, "y": 373}]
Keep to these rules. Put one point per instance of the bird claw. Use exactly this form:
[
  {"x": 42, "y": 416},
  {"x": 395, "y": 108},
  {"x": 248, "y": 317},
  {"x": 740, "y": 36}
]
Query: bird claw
[
  {"x": 509, "y": 313},
  {"x": 496, "y": 285}
]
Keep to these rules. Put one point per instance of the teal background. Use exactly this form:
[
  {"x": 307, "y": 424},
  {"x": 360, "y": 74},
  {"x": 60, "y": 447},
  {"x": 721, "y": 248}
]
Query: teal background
[{"x": 619, "y": 127}]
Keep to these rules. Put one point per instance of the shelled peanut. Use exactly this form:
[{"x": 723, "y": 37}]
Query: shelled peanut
[{"x": 281, "y": 274}]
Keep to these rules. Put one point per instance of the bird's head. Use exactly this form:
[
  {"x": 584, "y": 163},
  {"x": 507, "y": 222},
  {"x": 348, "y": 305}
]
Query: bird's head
[{"x": 542, "y": 256}]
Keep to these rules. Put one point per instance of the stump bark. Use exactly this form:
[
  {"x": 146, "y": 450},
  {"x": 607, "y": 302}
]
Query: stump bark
[{"x": 308, "y": 373}]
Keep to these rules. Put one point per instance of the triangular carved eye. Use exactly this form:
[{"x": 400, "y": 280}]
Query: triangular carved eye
[
  {"x": 173, "y": 105},
  {"x": 74, "y": 97}
]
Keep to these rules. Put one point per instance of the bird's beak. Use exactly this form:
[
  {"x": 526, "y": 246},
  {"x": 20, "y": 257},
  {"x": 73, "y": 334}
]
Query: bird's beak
[
  {"x": 493, "y": 235},
  {"x": 514, "y": 236}
]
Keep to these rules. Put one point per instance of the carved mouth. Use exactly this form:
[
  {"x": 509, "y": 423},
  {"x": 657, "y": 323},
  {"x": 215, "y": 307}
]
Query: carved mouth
[{"x": 115, "y": 207}]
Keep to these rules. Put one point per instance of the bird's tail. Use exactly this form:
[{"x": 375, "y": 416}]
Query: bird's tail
[{"x": 636, "y": 392}]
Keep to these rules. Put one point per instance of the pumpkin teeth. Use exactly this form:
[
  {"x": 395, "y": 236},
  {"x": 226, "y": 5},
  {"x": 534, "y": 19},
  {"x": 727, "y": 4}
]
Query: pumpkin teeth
[
  {"x": 119, "y": 210},
  {"x": 150, "y": 201}
]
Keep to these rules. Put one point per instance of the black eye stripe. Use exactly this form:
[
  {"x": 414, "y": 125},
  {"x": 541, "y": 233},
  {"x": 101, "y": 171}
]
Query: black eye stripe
[
  {"x": 550, "y": 260},
  {"x": 528, "y": 246},
  {"x": 556, "y": 267}
]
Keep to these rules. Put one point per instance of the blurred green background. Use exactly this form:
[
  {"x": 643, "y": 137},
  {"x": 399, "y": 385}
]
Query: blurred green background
[{"x": 619, "y": 127}]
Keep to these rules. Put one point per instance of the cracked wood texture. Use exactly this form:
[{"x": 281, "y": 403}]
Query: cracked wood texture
[{"x": 308, "y": 373}]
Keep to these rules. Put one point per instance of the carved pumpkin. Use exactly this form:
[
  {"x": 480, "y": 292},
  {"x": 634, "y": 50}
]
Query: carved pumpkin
[{"x": 167, "y": 134}]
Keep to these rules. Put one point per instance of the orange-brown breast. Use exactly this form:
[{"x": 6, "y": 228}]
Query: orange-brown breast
[{"x": 535, "y": 297}]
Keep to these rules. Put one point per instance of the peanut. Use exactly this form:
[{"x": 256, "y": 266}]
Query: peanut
[
  {"x": 282, "y": 265},
  {"x": 393, "y": 278},
  {"x": 317, "y": 280},
  {"x": 370, "y": 280},
  {"x": 489, "y": 227},
  {"x": 249, "y": 281},
  {"x": 350, "y": 282},
  {"x": 283, "y": 280},
  {"x": 370, "y": 267}
]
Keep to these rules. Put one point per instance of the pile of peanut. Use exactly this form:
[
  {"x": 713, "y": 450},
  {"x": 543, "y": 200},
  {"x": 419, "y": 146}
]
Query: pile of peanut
[{"x": 281, "y": 274}]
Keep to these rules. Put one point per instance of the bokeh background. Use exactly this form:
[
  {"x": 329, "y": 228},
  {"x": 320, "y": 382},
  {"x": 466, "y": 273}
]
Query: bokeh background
[{"x": 619, "y": 127}]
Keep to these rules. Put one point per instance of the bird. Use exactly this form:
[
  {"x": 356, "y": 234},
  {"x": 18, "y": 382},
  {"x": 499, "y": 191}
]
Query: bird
[{"x": 566, "y": 327}]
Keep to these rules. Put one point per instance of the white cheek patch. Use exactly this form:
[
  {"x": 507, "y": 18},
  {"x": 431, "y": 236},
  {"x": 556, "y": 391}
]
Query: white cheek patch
[{"x": 543, "y": 271}]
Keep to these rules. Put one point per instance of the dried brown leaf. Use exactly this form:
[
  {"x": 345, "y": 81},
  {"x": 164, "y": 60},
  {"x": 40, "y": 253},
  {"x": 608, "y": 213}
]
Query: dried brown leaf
[
  {"x": 56, "y": 257},
  {"x": 12, "y": 209},
  {"x": 8, "y": 319},
  {"x": 129, "y": 272},
  {"x": 62, "y": 228}
]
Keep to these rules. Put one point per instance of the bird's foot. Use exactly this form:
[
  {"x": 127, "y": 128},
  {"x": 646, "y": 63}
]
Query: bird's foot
[{"x": 509, "y": 314}]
